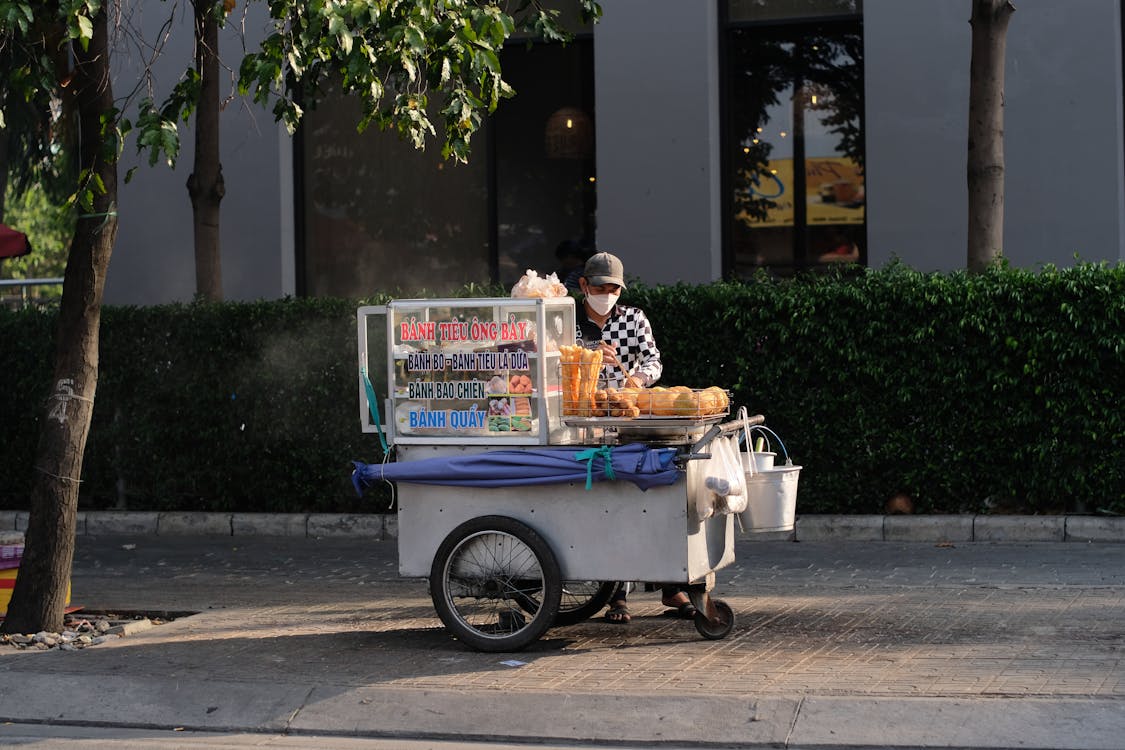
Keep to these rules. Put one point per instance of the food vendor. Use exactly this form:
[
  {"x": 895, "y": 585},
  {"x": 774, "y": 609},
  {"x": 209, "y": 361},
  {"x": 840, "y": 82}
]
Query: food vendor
[
  {"x": 624, "y": 335},
  {"x": 630, "y": 360}
]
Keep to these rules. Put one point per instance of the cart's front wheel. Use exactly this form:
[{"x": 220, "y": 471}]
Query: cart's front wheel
[
  {"x": 716, "y": 628},
  {"x": 495, "y": 584}
]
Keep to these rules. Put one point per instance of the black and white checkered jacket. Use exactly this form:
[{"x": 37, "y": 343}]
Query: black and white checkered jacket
[{"x": 629, "y": 331}]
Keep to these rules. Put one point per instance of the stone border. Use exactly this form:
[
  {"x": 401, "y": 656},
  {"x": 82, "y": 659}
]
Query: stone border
[
  {"x": 809, "y": 528},
  {"x": 961, "y": 528},
  {"x": 184, "y": 523}
]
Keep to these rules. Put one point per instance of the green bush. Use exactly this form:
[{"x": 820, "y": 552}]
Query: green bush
[
  {"x": 971, "y": 393},
  {"x": 218, "y": 407},
  {"x": 984, "y": 393}
]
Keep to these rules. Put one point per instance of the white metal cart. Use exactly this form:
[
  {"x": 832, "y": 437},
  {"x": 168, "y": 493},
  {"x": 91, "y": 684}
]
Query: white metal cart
[{"x": 467, "y": 378}]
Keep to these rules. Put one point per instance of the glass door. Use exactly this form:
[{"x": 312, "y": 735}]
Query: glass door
[{"x": 794, "y": 146}]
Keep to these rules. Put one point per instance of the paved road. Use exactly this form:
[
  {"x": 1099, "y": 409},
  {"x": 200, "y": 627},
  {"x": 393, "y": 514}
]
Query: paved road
[{"x": 835, "y": 645}]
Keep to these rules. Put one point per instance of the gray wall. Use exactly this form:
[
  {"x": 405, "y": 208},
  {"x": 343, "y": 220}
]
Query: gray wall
[
  {"x": 1063, "y": 132},
  {"x": 656, "y": 88},
  {"x": 153, "y": 261}
]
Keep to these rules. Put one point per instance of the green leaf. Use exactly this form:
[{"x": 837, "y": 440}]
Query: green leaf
[
  {"x": 415, "y": 39},
  {"x": 85, "y": 29},
  {"x": 408, "y": 64}
]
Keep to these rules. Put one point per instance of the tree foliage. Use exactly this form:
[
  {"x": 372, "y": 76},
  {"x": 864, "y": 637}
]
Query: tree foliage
[
  {"x": 398, "y": 57},
  {"x": 395, "y": 56}
]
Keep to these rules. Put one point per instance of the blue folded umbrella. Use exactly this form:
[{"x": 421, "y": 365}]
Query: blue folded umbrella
[{"x": 637, "y": 463}]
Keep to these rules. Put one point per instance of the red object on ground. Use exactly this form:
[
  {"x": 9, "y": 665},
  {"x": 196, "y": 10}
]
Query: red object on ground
[{"x": 12, "y": 243}]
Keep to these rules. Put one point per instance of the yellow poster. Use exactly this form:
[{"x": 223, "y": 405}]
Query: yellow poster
[{"x": 834, "y": 191}]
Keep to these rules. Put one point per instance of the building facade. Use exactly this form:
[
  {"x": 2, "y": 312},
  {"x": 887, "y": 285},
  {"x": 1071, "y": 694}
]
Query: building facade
[{"x": 696, "y": 139}]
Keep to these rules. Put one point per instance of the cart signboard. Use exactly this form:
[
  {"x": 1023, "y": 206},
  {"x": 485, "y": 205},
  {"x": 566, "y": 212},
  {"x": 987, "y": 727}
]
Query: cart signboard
[{"x": 472, "y": 371}]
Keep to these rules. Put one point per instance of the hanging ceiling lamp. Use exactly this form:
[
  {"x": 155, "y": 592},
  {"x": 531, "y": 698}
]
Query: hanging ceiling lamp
[{"x": 569, "y": 134}]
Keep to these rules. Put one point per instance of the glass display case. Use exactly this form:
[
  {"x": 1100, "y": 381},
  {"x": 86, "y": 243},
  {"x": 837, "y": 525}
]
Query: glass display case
[{"x": 467, "y": 371}]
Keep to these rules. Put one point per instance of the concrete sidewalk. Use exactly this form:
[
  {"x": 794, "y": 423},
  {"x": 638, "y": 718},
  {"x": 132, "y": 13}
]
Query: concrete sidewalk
[{"x": 836, "y": 644}]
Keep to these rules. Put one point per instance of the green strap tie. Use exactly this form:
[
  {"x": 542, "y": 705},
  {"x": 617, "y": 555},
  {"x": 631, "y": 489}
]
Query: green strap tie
[
  {"x": 605, "y": 453},
  {"x": 373, "y": 407}
]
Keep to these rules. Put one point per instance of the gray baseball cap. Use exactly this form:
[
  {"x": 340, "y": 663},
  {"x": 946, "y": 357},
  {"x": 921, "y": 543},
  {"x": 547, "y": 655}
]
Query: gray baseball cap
[{"x": 604, "y": 268}]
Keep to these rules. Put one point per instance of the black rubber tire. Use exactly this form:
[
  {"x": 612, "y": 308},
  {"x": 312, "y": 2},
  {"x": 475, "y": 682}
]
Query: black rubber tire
[
  {"x": 714, "y": 631},
  {"x": 582, "y": 600},
  {"x": 495, "y": 584}
]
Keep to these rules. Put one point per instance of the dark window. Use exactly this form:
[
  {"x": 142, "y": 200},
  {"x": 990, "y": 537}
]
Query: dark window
[
  {"x": 788, "y": 10},
  {"x": 544, "y": 146},
  {"x": 794, "y": 154},
  {"x": 376, "y": 215},
  {"x": 381, "y": 216}
]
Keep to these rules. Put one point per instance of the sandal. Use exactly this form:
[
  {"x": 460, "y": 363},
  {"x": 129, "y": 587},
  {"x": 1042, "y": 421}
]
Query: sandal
[
  {"x": 685, "y": 611},
  {"x": 618, "y": 614}
]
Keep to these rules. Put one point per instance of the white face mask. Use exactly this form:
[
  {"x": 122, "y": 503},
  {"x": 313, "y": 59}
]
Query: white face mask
[{"x": 602, "y": 303}]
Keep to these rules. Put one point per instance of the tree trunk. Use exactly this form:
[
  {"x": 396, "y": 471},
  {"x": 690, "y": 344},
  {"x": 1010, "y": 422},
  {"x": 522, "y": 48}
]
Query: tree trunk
[
  {"x": 986, "y": 132},
  {"x": 3, "y": 165},
  {"x": 205, "y": 185},
  {"x": 38, "y": 600}
]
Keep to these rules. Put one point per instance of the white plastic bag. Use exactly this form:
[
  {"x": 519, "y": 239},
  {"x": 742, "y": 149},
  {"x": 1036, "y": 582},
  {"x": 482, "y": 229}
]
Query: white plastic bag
[
  {"x": 697, "y": 491},
  {"x": 723, "y": 479},
  {"x": 532, "y": 285},
  {"x": 733, "y": 498}
]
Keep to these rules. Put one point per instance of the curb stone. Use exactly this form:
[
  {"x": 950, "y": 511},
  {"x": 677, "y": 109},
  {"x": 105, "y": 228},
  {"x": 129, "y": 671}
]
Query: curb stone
[
  {"x": 1095, "y": 528},
  {"x": 815, "y": 527},
  {"x": 957, "y": 528},
  {"x": 1019, "y": 528}
]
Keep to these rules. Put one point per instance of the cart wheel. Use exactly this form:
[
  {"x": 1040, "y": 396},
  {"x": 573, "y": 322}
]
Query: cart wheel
[
  {"x": 495, "y": 584},
  {"x": 718, "y": 628},
  {"x": 582, "y": 600}
]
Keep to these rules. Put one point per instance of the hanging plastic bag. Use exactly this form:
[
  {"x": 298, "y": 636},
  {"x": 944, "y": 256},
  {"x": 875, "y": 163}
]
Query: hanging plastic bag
[
  {"x": 697, "y": 489},
  {"x": 724, "y": 481},
  {"x": 728, "y": 483}
]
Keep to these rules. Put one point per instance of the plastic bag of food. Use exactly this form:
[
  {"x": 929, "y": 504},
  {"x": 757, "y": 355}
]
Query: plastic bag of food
[
  {"x": 724, "y": 484},
  {"x": 531, "y": 284}
]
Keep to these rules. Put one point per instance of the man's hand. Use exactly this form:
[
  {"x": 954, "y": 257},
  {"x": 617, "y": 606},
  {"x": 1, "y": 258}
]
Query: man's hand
[{"x": 609, "y": 354}]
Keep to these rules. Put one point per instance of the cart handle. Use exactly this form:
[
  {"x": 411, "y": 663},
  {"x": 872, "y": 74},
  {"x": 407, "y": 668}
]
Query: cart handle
[{"x": 724, "y": 429}]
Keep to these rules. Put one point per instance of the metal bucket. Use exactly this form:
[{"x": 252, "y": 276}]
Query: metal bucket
[
  {"x": 763, "y": 461},
  {"x": 771, "y": 500}
]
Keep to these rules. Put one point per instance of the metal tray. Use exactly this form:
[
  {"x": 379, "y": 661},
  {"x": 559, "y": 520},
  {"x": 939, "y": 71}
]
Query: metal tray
[
  {"x": 644, "y": 423},
  {"x": 654, "y": 430}
]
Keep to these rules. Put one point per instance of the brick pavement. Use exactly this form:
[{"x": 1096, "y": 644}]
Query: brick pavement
[
  {"x": 812, "y": 618},
  {"x": 834, "y": 644}
]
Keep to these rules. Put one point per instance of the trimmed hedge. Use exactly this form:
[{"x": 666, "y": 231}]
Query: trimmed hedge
[
  {"x": 217, "y": 407},
  {"x": 986, "y": 393}
]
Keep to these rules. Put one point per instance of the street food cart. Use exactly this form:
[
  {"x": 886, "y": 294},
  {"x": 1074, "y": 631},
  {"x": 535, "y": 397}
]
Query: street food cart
[{"x": 519, "y": 499}]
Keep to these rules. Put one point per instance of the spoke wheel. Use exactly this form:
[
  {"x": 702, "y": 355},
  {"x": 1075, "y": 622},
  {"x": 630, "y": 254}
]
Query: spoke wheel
[
  {"x": 495, "y": 584},
  {"x": 582, "y": 600}
]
